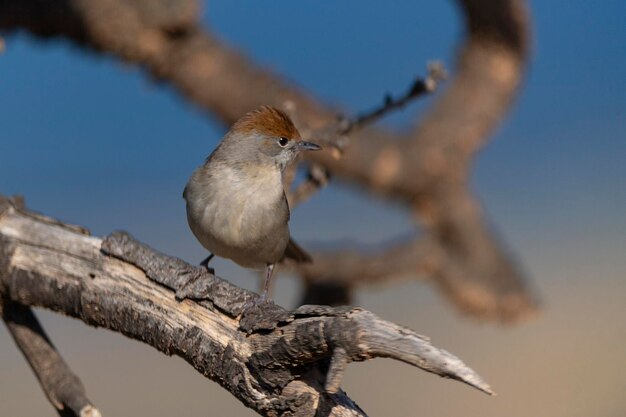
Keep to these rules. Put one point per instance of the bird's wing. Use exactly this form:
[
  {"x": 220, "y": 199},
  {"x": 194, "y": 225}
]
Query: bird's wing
[
  {"x": 287, "y": 204},
  {"x": 295, "y": 252}
]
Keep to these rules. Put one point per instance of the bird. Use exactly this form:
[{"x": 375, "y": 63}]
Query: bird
[{"x": 236, "y": 203}]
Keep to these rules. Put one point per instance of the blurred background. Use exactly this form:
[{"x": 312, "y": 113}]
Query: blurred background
[{"x": 94, "y": 142}]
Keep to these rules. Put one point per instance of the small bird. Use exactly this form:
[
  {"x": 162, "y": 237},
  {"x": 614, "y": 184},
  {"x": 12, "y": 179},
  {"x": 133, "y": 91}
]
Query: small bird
[{"x": 236, "y": 203}]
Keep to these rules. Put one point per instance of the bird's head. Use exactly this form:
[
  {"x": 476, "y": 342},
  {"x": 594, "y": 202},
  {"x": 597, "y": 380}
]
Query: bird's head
[{"x": 267, "y": 135}]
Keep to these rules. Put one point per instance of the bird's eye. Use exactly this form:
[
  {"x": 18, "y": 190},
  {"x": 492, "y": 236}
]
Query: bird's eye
[{"x": 283, "y": 142}]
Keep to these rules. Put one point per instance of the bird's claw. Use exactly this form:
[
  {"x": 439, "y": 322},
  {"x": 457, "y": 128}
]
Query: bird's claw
[{"x": 259, "y": 301}]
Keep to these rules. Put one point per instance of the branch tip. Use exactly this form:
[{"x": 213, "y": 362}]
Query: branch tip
[{"x": 90, "y": 411}]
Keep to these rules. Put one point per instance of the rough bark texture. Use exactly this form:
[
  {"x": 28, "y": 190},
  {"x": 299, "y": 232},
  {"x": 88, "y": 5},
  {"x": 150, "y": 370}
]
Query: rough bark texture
[
  {"x": 426, "y": 169},
  {"x": 274, "y": 361}
]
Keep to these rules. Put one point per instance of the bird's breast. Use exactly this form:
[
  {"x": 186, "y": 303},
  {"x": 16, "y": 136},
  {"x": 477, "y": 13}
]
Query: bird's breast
[{"x": 239, "y": 214}]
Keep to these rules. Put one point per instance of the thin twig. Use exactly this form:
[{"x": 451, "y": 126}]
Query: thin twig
[
  {"x": 318, "y": 176},
  {"x": 436, "y": 74}
]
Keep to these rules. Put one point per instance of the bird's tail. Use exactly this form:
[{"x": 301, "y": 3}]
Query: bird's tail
[{"x": 295, "y": 252}]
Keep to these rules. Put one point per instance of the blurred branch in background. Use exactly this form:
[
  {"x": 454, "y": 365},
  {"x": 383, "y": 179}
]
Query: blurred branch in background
[
  {"x": 46, "y": 263},
  {"x": 426, "y": 169},
  {"x": 274, "y": 361}
]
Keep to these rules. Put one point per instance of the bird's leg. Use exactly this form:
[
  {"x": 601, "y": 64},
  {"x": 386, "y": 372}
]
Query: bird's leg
[
  {"x": 205, "y": 263},
  {"x": 264, "y": 298},
  {"x": 265, "y": 295}
]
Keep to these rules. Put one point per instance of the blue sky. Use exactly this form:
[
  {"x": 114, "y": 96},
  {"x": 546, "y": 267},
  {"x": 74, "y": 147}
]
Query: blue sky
[{"x": 93, "y": 141}]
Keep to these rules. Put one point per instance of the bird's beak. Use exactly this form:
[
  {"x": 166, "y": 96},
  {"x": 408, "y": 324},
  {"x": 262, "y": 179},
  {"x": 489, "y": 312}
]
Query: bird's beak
[{"x": 307, "y": 146}]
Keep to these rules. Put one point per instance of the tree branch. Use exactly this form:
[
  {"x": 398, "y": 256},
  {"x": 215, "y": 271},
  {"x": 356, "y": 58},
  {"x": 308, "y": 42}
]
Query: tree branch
[
  {"x": 62, "y": 387},
  {"x": 274, "y": 361}
]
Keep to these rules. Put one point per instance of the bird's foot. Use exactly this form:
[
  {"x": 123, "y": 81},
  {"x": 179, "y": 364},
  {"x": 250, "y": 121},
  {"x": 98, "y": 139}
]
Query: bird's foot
[
  {"x": 259, "y": 301},
  {"x": 261, "y": 314},
  {"x": 205, "y": 263}
]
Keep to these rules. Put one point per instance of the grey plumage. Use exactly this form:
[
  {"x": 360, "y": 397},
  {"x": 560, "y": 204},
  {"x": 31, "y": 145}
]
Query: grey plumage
[{"x": 236, "y": 204}]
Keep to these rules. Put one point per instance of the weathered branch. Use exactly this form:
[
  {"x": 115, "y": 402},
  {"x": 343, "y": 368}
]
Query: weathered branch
[
  {"x": 274, "y": 361},
  {"x": 62, "y": 387},
  {"x": 427, "y": 169}
]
